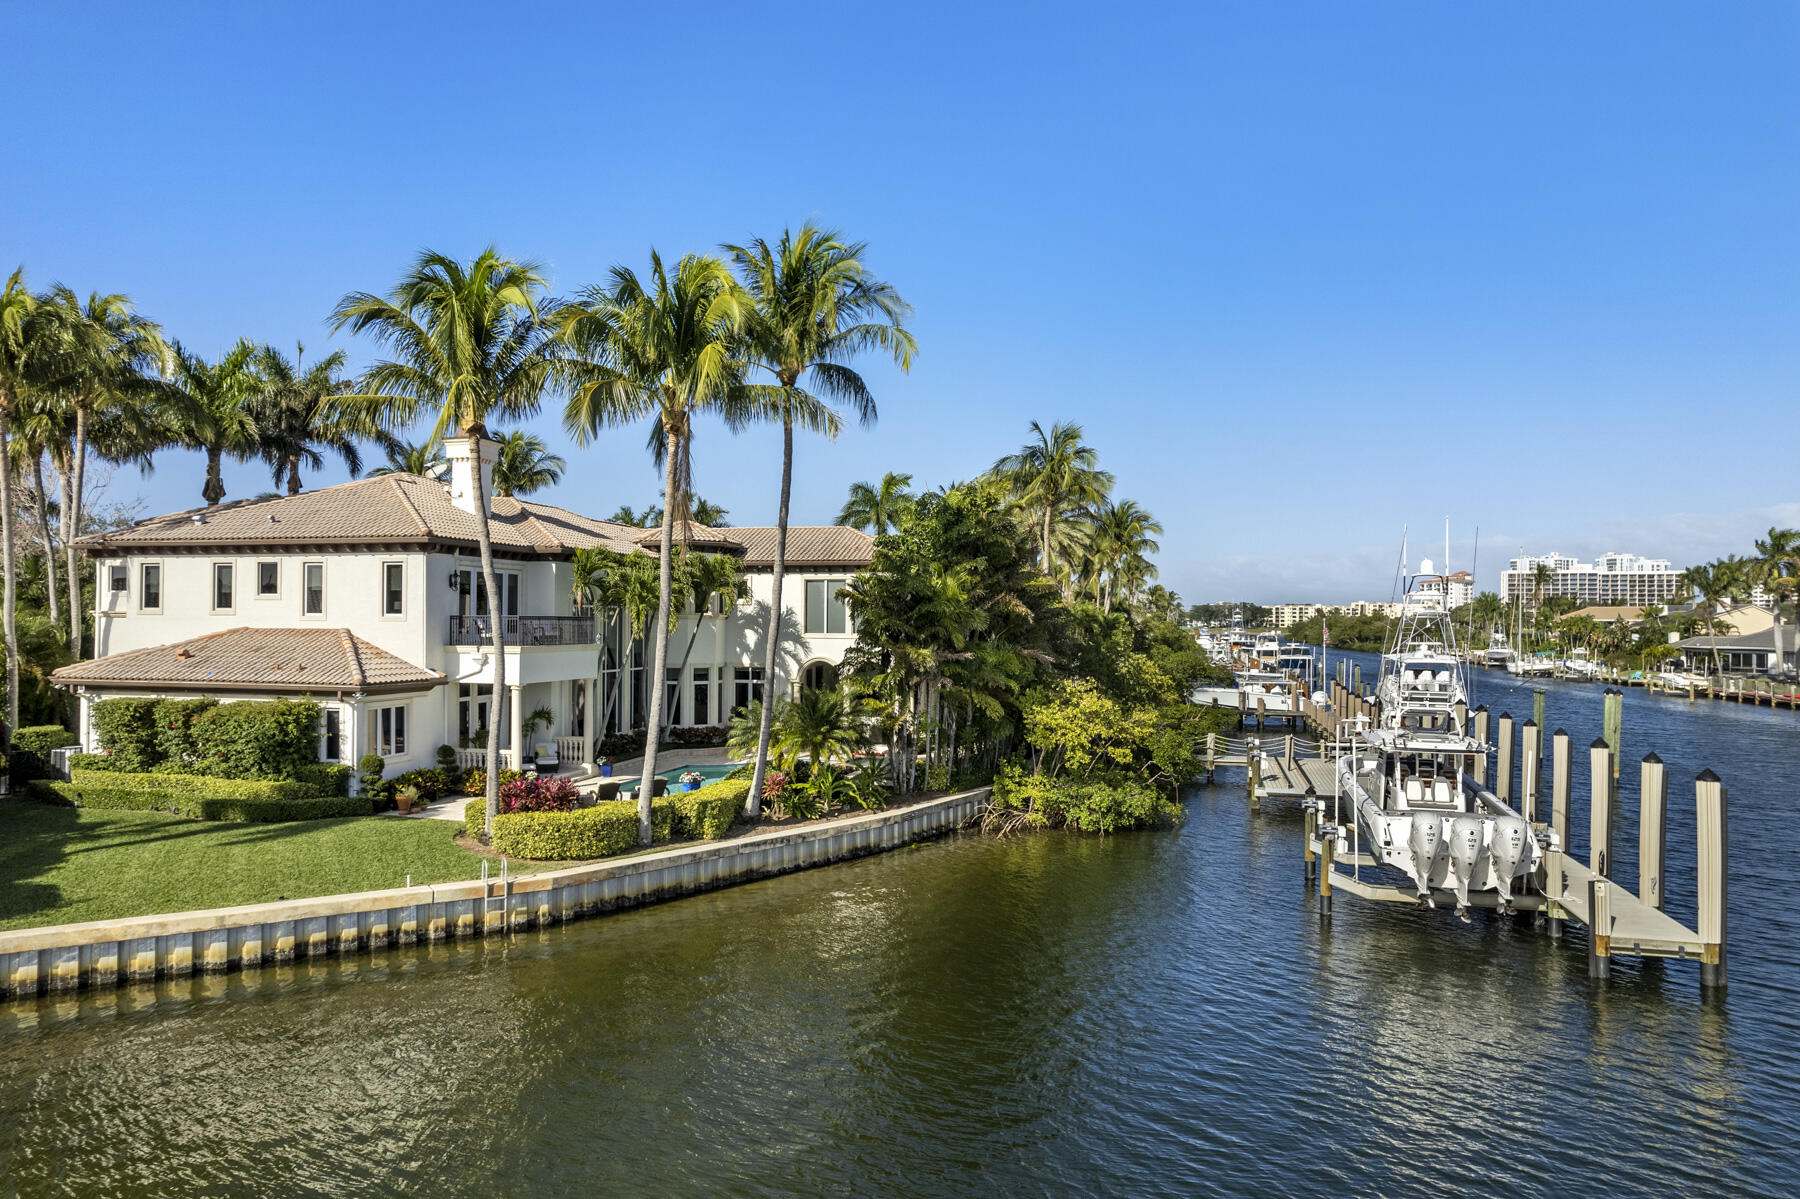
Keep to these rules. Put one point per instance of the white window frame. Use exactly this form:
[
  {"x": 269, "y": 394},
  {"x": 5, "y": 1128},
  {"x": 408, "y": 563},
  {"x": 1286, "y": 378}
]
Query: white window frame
[
  {"x": 385, "y": 564},
  {"x": 331, "y": 712},
  {"x": 212, "y": 584},
  {"x": 324, "y": 579},
  {"x": 124, "y": 566},
  {"x": 162, "y": 584},
  {"x": 260, "y": 563},
  {"x": 385, "y": 748}
]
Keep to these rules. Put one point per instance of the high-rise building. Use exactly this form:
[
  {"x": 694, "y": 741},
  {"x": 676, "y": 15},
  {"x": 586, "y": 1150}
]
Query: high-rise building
[{"x": 1613, "y": 579}]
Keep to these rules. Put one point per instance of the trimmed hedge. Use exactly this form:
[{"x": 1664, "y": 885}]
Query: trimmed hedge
[
  {"x": 241, "y": 809},
  {"x": 710, "y": 812},
  {"x": 262, "y": 739},
  {"x": 326, "y": 778},
  {"x": 175, "y": 729},
  {"x": 597, "y": 832},
  {"x": 195, "y": 786},
  {"x": 40, "y": 739},
  {"x": 126, "y": 729}
]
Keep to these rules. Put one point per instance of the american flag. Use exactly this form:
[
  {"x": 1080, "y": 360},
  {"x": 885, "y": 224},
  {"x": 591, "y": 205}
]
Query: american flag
[{"x": 1325, "y": 630}]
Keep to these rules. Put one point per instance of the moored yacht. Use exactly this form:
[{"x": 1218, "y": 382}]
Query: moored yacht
[{"x": 1409, "y": 778}]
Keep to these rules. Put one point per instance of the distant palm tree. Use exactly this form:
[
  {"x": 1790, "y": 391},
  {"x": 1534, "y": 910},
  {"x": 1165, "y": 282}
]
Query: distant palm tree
[
  {"x": 626, "y": 515},
  {"x": 708, "y": 513},
  {"x": 879, "y": 508},
  {"x": 1054, "y": 473},
  {"x": 1712, "y": 583},
  {"x": 295, "y": 417},
  {"x": 1541, "y": 577},
  {"x": 1777, "y": 569},
  {"x": 107, "y": 360},
  {"x": 662, "y": 350},
  {"x": 426, "y": 458},
  {"x": 214, "y": 415},
  {"x": 706, "y": 576},
  {"x": 471, "y": 341},
  {"x": 20, "y": 344},
  {"x": 1124, "y": 537},
  {"x": 812, "y": 306},
  {"x": 525, "y": 465}
]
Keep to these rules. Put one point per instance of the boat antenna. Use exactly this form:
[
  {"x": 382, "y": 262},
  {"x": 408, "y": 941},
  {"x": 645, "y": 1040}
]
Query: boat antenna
[{"x": 1474, "y": 590}]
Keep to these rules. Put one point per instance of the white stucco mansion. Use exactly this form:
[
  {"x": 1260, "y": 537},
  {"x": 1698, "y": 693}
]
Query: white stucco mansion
[{"x": 366, "y": 597}]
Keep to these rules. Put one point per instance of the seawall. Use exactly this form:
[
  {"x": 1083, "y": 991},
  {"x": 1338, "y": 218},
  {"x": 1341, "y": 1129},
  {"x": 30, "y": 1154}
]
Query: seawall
[{"x": 103, "y": 953}]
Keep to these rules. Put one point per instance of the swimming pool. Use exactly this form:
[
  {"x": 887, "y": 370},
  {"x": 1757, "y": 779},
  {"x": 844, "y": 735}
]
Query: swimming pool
[{"x": 711, "y": 771}]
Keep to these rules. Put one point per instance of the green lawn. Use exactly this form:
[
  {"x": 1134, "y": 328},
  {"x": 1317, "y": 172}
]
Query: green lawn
[{"x": 62, "y": 865}]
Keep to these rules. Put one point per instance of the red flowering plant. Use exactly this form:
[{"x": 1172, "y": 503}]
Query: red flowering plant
[
  {"x": 774, "y": 783},
  {"x": 538, "y": 795}
]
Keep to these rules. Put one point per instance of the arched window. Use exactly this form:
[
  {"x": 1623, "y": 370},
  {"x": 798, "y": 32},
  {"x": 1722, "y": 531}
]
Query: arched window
[{"x": 819, "y": 676}]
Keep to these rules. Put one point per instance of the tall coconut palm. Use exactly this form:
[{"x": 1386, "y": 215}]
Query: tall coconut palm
[
  {"x": 1124, "y": 537},
  {"x": 706, "y": 577},
  {"x": 879, "y": 508},
  {"x": 1776, "y": 568},
  {"x": 426, "y": 458},
  {"x": 814, "y": 306},
  {"x": 107, "y": 355},
  {"x": 1712, "y": 584},
  {"x": 1054, "y": 473},
  {"x": 19, "y": 348},
  {"x": 708, "y": 513},
  {"x": 295, "y": 417},
  {"x": 662, "y": 350},
  {"x": 525, "y": 465},
  {"x": 213, "y": 413},
  {"x": 470, "y": 342},
  {"x": 1541, "y": 578},
  {"x": 38, "y": 429}
]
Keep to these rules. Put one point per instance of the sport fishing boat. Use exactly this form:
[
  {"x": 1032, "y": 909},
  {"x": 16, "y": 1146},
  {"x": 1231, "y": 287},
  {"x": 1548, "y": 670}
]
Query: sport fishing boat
[
  {"x": 1409, "y": 778},
  {"x": 1499, "y": 650}
]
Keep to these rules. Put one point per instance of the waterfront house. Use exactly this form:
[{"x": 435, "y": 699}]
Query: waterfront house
[
  {"x": 1756, "y": 653},
  {"x": 367, "y": 597}
]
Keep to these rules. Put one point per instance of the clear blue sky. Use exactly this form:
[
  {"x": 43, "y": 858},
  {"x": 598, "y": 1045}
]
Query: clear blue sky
[{"x": 1304, "y": 272}]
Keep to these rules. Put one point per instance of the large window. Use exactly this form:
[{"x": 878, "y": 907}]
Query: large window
[
  {"x": 332, "y": 749},
  {"x": 473, "y": 702},
  {"x": 222, "y": 598},
  {"x": 825, "y": 612},
  {"x": 474, "y": 595},
  {"x": 150, "y": 587},
  {"x": 672, "y": 696},
  {"x": 312, "y": 600},
  {"x": 268, "y": 580},
  {"x": 393, "y": 588},
  {"x": 747, "y": 684},
  {"x": 702, "y": 695},
  {"x": 389, "y": 731}
]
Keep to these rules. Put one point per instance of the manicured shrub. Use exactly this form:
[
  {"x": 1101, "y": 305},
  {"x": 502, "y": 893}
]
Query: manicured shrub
[
  {"x": 665, "y": 818},
  {"x": 95, "y": 762},
  {"x": 265, "y": 739},
  {"x": 197, "y": 785},
  {"x": 175, "y": 730},
  {"x": 126, "y": 730},
  {"x": 325, "y": 778},
  {"x": 599, "y": 831},
  {"x": 474, "y": 780},
  {"x": 475, "y": 817},
  {"x": 40, "y": 739},
  {"x": 428, "y": 783},
  {"x": 710, "y": 812},
  {"x": 265, "y": 809},
  {"x": 446, "y": 759},
  {"x": 371, "y": 767},
  {"x": 538, "y": 795}
]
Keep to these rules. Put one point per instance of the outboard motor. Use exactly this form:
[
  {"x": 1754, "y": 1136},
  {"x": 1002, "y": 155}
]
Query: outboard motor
[
  {"x": 1508, "y": 849},
  {"x": 1466, "y": 849},
  {"x": 1425, "y": 839}
]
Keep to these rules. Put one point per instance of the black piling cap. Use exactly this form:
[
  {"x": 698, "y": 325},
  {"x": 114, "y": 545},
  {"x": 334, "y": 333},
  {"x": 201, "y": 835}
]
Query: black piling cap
[
  {"x": 1560, "y": 733},
  {"x": 1481, "y": 708},
  {"x": 1706, "y": 776},
  {"x": 1311, "y": 791},
  {"x": 1529, "y": 723},
  {"x": 1651, "y": 759},
  {"x": 1599, "y": 743},
  {"x": 1506, "y": 716}
]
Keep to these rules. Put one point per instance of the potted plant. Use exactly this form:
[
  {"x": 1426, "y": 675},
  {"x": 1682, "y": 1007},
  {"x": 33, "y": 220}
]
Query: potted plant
[
  {"x": 691, "y": 780},
  {"x": 606, "y": 765},
  {"x": 405, "y": 797}
]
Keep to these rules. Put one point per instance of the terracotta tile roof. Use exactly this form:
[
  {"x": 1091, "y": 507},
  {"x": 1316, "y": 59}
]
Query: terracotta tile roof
[
  {"x": 388, "y": 509},
  {"x": 807, "y": 545},
  {"x": 692, "y": 534},
  {"x": 412, "y": 510},
  {"x": 322, "y": 659}
]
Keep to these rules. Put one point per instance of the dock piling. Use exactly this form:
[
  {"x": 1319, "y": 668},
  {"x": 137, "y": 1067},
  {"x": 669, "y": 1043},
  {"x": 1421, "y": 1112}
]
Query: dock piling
[
  {"x": 1600, "y": 808},
  {"x": 1503, "y": 767},
  {"x": 1537, "y": 714},
  {"x": 1612, "y": 723},
  {"x": 1533, "y": 746},
  {"x": 1327, "y": 848},
  {"x": 1311, "y": 820},
  {"x": 1481, "y": 735},
  {"x": 1562, "y": 774},
  {"x": 1712, "y": 845},
  {"x": 1599, "y": 928},
  {"x": 1653, "y": 806},
  {"x": 1253, "y": 776}
]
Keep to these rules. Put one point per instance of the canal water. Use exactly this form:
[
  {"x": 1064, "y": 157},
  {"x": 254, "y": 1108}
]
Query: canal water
[{"x": 1153, "y": 1014}]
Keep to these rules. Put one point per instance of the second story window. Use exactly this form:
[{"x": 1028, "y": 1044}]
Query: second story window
[
  {"x": 150, "y": 587},
  {"x": 222, "y": 597},
  {"x": 825, "y": 611},
  {"x": 115, "y": 577},
  {"x": 268, "y": 580},
  {"x": 393, "y": 588},
  {"x": 312, "y": 587}
]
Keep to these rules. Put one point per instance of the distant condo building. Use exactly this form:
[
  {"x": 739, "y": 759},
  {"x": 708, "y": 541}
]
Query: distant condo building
[
  {"x": 1287, "y": 615},
  {"x": 1614, "y": 579}
]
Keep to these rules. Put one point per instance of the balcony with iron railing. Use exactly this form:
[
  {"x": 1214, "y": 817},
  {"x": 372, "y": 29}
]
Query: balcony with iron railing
[{"x": 521, "y": 630}]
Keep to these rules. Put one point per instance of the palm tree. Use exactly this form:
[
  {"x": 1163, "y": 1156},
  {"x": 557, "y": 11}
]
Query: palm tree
[
  {"x": 879, "y": 508},
  {"x": 1054, "y": 473},
  {"x": 708, "y": 513},
  {"x": 525, "y": 465},
  {"x": 1541, "y": 577},
  {"x": 813, "y": 307},
  {"x": 1712, "y": 582},
  {"x": 426, "y": 458},
  {"x": 106, "y": 355},
  {"x": 214, "y": 414},
  {"x": 1123, "y": 539},
  {"x": 705, "y": 576},
  {"x": 820, "y": 726},
  {"x": 295, "y": 417},
  {"x": 1776, "y": 567},
  {"x": 470, "y": 341},
  {"x": 663, "y": 351},
  {"x": 20, "y": 344},
  {"x": 626, "y": 515}
]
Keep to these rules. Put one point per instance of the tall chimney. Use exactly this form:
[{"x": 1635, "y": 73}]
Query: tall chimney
[{"x": 462, "y": 466}]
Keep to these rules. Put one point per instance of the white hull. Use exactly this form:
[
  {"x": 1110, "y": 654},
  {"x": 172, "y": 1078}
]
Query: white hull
[{"x": 1443, "y": 849}]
